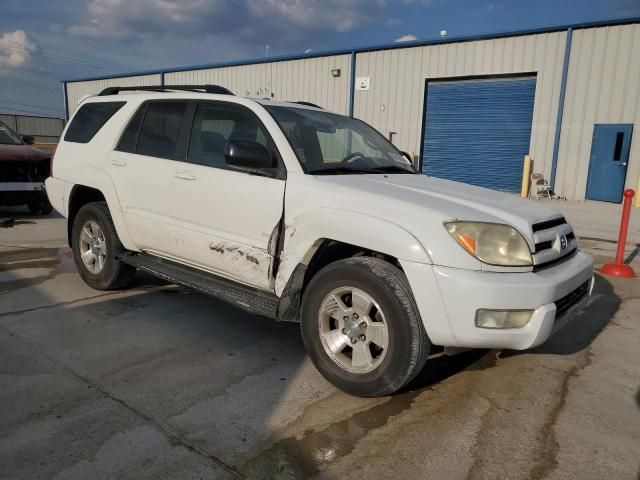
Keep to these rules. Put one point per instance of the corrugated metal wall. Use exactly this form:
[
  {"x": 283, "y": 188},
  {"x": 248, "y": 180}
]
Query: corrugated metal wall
[
  {"x": 308, "y": 79},
  {"x": 77, "y": 90},
  {"x": 45, "y": 129},
  {"x": 395, "y": 100},
  {"x": 603, "y": 86}
]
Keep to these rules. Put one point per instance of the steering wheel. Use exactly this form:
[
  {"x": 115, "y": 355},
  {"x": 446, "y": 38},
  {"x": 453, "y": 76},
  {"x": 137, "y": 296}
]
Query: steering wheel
[{"x": 351, "y": 157}]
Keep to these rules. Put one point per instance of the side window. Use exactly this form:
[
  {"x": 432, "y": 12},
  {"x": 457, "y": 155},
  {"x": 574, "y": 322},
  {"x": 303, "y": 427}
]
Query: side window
[
  {"x": 161, "y": 129},
  {"x": 129, "y": 139},
  {"x": 89, "y": 120},
  {"x": 216, "y": 125}
]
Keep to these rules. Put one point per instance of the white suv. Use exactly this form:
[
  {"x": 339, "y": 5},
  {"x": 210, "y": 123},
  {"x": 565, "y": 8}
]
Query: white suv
[{"x": 298, "y": 214}]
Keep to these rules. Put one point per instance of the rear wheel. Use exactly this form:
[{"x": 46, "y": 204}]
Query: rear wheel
[
  {"x": 95, "y": 245},
  {"x": 362, "y": 328}
]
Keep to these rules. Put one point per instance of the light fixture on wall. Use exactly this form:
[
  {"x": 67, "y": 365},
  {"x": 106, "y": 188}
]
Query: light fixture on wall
[{"x": 335, "y": 72}]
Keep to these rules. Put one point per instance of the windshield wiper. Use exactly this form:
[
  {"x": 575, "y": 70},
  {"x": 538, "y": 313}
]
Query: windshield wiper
[
  {"x": 339, "y": 170},
  {"x": 393, "y": 169}
]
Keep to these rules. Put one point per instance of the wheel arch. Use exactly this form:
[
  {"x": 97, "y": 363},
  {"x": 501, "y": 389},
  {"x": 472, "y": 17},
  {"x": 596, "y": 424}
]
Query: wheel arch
[
  {"x": 305, "y": 251},
  {"x": 85, "y": 192}
]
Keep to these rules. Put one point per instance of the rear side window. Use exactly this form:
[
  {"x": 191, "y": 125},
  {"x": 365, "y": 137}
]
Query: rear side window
[
  {"x": 160, "y": 129},
  {"x": 89, "y": 120}
]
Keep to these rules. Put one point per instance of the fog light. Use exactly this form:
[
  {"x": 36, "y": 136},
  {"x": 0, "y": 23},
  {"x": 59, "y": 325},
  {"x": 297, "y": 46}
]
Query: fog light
[{"x": 502, "y": 318}]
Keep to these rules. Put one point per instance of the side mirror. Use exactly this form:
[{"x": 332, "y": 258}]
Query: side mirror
[
  {"x": 248, "y": 156},
  {"x": 28, "y": 139}
]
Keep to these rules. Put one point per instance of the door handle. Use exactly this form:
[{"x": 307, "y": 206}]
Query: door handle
[
  {"x": 119, "y": 163},
  {"x": 184, "y": 176},
  {"x": 623, "y": 164}
]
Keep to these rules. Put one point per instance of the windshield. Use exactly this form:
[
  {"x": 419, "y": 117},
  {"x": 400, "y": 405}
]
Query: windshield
[
  {"x": 326, "y": 143},
  {"x": 7, "y": 137}
]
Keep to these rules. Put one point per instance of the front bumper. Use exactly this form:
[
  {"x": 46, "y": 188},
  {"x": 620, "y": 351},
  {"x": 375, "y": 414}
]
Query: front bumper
[
  {"x": 450, "y": 314},
  {"x": 21, "y": 186}
]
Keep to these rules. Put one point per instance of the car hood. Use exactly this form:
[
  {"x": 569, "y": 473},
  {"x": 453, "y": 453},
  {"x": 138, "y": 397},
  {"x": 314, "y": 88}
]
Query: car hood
[
  {"x": 21, "y": 152},
  {"x": 420, "y": 204}
]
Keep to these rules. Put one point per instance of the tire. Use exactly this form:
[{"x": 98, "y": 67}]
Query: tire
[
  {"x": 40, "y": 206},
  {"x": 113, "y": 274},
  {"x": 370, "y": 281}
]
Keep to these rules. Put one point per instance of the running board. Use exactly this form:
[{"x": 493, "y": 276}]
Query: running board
[{"x": 246, "y": 298}]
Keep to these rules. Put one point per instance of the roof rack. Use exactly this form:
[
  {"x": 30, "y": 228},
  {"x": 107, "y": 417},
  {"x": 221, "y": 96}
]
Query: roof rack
[
  {"x": 167, "y": 88},
  {"x": 309, "y": 104}
]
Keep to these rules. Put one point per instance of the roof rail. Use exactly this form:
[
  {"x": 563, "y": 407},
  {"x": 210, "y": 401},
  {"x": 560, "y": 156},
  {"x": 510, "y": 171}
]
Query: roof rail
[
  {"x": 308, "y": 104},
  {"x": 167, "y": 88}
]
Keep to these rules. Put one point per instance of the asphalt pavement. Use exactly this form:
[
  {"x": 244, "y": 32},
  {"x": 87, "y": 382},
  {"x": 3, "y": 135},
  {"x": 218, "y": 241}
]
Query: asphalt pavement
[{"x": 160, "y": 382}]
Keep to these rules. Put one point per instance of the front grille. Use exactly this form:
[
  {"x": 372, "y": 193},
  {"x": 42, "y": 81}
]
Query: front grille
[
  {"x": 568, "y": 301},
  {"x": 548, "y": 224},
  {"x": 554, "y": 239}
]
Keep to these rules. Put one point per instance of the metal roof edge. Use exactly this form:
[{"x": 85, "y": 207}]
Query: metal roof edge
[{"x": 364, "y": 49}]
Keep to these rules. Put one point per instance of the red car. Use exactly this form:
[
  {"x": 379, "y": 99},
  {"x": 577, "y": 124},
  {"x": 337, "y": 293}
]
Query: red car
[{"x": 23, "y": 170}]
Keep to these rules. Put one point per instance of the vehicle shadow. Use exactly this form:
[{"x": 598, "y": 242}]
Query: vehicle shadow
[
  {"x": 443, "y": 367},
  {"x": 584, "y": 327}
]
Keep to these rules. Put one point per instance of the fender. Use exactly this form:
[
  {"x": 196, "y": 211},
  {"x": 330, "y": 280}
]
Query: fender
[
  {"x": 304, "y": 233},
  {"x": 94, "y": 177}
]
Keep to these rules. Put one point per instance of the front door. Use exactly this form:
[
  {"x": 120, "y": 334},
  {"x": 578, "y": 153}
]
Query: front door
[
  {"x": 228, "y": 218},
  {"x": 608, "y": 164}
]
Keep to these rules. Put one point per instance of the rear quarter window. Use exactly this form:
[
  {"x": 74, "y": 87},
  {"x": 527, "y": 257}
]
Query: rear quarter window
[{"x": 89, "y": 120}]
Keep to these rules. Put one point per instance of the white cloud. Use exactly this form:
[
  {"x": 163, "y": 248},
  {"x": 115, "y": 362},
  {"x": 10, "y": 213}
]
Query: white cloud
[
  {"x": 270, "y": 21},
  {"x": 406, "y": 38},
  {"x": 15, "y": 48}
]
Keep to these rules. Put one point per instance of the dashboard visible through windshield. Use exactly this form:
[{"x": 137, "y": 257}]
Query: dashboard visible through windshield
[{"x": 329, "y": 144}]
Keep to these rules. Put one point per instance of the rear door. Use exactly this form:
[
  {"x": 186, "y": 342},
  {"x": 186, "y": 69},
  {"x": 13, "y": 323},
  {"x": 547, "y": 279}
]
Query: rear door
[
  {"x": 143, "y": 166},
  {"x": 228, "y": 219}
]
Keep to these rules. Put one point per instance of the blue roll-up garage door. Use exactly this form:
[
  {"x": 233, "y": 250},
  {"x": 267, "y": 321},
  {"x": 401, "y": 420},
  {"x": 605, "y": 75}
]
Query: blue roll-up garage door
[{"x": 478, "y": 131}]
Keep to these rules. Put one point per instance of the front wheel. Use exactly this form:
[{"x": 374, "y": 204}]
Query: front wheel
[{"x": 361, "y": 327}]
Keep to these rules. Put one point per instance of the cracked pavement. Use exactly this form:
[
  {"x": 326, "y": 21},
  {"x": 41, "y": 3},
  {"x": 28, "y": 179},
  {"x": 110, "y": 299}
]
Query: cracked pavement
[{"x": 160, "y": 382}]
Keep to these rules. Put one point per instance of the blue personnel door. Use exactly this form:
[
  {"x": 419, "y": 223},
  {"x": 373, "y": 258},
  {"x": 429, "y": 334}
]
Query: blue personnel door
[
  {"x": 608, "y": 164},
  {"x": 478, "y": 131}
]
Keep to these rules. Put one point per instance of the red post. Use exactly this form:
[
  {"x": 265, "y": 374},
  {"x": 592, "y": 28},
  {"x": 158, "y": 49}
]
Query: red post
[{"x": 618, "y": 268}]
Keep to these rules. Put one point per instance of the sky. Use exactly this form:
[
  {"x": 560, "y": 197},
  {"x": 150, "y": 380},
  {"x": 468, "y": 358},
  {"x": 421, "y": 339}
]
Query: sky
[{"x": 43, "y": 42}]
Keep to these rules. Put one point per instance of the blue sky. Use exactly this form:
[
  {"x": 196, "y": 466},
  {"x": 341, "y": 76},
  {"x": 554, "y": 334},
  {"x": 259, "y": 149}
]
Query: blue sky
[{"x": 42, "y": 42}]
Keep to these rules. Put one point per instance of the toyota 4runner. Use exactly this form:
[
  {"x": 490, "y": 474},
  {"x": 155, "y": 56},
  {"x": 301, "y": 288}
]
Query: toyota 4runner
[{"x": 298, "y": 214}]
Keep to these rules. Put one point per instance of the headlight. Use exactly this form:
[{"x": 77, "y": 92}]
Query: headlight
[{"x": 492, "y": 243}]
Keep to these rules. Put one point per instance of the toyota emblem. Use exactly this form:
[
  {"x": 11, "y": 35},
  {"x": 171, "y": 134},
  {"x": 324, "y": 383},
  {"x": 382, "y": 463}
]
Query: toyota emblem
[{"x": 563, "y": 242}]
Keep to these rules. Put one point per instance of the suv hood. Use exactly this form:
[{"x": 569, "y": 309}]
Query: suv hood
[
  {"x": 21, "y": 152},
  {"x": 420, "y": 204}
]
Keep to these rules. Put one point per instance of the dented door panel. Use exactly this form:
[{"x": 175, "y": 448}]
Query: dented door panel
[{"x": 224, "y": 221}]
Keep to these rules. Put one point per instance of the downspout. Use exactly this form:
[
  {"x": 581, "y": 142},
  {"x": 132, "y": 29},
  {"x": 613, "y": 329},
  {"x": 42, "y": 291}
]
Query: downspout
[
  {"x": 66, "y": 101},
  {"x": 162, "y": 78},
  {"x": 352, "y": 83},
  {"x": 563, "y": 88}
]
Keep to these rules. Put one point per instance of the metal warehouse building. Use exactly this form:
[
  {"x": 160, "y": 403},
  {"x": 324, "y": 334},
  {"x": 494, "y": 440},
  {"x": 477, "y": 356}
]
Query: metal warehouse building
[{"x": 470, "y": 108}]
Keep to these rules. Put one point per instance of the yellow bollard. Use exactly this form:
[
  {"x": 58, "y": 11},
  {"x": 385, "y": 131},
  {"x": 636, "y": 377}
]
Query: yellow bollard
[{"x": 526, "y": 173}]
